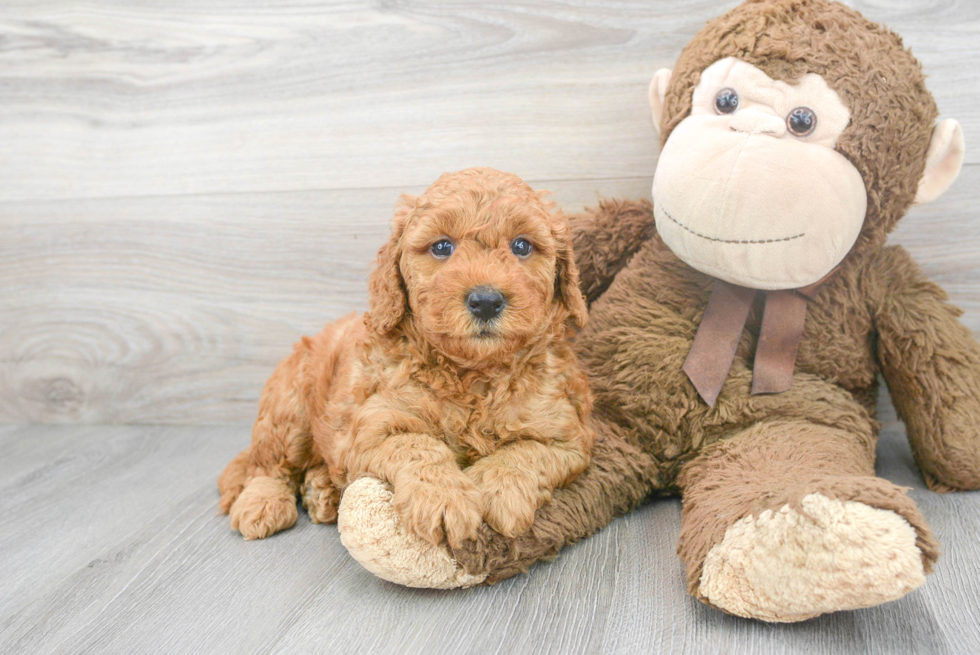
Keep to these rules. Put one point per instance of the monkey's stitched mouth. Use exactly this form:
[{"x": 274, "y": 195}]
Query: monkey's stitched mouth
[{"x": 717, "y": 240}]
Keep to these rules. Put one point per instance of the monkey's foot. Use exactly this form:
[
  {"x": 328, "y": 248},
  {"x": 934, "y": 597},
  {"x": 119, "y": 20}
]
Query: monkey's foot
[
  {"x": 791, "y": 565},
  {"x": 372, "y": 532}
]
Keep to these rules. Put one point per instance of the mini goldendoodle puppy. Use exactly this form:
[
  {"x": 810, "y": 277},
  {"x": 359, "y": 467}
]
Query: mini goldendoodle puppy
[{"x": 458, "y": 387}]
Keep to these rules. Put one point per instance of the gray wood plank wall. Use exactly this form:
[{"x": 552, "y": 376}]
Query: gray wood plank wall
[{"x": 186, "y": 186}]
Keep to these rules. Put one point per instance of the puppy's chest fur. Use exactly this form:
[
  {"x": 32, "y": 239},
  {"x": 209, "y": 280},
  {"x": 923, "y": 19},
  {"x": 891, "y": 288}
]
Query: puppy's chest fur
[
  {"x": 388, "y": 390},
  {"x": 478, "y": 413}
]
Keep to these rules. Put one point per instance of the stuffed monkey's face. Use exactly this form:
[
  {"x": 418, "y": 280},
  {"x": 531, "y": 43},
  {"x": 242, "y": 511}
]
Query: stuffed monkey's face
[{"x": 749, "y": 188}]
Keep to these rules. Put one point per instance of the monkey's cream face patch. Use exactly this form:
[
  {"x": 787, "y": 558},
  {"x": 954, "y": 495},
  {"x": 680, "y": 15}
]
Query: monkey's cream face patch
[{"x": 738, "y": 195}]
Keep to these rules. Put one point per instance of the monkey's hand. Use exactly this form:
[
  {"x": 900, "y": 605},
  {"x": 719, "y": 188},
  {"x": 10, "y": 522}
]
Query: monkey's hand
[
  {"x": 931, "y": 363},
  {"x": 605, "y": 237}
]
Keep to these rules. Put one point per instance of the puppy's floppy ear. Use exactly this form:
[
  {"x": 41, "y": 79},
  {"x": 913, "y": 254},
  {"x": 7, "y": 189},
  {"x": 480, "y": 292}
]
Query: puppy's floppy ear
[
  {"x": 567, "y": 290},
  {"x": 386, "y": 286}
]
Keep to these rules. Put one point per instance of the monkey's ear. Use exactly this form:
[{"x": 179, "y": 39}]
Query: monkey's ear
[
  {"x": 943, "y": 161},
  {"x": 386, "y": 287},
  {"x": 658, "y": 90}
]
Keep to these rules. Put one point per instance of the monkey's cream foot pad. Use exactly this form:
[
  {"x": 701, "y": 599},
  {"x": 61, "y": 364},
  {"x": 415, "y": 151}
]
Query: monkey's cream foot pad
[
  {"x": 372, "y": 532},
  {"x": 833, "y": 555}
]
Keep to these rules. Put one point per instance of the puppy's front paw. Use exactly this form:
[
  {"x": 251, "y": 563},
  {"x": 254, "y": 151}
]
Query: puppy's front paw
[
  {"x": 510, "y": 500},
  {"x": 320, "y": 498},
  {"x": 265, "y": 506},
  {"x": 448, "y": 504}
]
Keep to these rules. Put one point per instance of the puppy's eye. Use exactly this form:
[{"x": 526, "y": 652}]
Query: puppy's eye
[
  {"x": 441, "y": 249},
  {"x": 521, "y": 247},
  {"x": 726, "y": 101}
]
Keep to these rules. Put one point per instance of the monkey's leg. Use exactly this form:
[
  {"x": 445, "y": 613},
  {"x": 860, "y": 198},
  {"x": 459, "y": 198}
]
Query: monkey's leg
[
  {"x": 786, "y": 520},
  {"x": 619, "y": 477}
]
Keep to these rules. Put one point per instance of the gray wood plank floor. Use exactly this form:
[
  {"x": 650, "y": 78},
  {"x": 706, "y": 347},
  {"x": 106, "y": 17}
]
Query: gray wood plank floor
[
  {"x": 111, "y": 545},
  {"x": 186, "y": 186}
]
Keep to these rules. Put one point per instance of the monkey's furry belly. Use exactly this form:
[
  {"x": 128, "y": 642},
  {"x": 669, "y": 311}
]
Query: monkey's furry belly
[{"x": 641, "y": 330}]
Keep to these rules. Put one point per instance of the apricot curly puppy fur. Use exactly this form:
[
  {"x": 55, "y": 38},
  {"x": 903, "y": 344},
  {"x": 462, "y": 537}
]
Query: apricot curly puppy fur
[{"x": 459, "y": 387}]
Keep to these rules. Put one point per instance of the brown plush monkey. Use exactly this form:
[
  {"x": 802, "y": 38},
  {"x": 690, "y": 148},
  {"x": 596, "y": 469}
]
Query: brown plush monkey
[{"x": 795, "y": 135}]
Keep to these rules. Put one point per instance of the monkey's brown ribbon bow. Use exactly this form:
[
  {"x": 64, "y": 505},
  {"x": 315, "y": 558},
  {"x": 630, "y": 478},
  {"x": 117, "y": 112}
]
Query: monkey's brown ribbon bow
[{"x": 713, "y": 351}]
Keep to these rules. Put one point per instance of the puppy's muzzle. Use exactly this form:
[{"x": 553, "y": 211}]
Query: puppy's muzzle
[{"x": 485, "y": 303}]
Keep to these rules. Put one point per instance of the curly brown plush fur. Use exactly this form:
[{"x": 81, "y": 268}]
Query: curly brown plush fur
[
  {"x": 758, "y": 462},
  {"x": 466, "y": 419}
]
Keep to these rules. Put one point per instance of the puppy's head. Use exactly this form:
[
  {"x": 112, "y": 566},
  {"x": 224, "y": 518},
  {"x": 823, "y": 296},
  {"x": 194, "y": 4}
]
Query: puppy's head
[{"x": 479, "y": 264}]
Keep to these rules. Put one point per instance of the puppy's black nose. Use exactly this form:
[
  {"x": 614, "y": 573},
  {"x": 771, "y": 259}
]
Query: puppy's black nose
[{"x": 485, "y": 303}]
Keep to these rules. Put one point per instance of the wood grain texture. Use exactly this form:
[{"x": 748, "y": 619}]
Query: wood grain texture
[
  {"x": 111, "y": 545},
  {"x": 176, "y": 309},
  {"x": 187, "y": 187},
  {"x": 119, "y": 99}
]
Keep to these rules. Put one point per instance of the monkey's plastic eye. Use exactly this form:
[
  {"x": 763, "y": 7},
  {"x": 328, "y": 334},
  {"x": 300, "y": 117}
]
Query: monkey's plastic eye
[
  {"x": 726, "y": 101},
  {"x": 801, "y": 121},
  {"x": 442, "y": 249},
  {"x": 521, "y": 247}
]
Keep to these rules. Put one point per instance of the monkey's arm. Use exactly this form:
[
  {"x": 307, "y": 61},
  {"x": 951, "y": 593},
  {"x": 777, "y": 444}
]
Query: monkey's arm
[
  {"x": 605, "y": 237},
  {"x": 619, "y": 478},
  {"x": 931, "y": 363}
]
